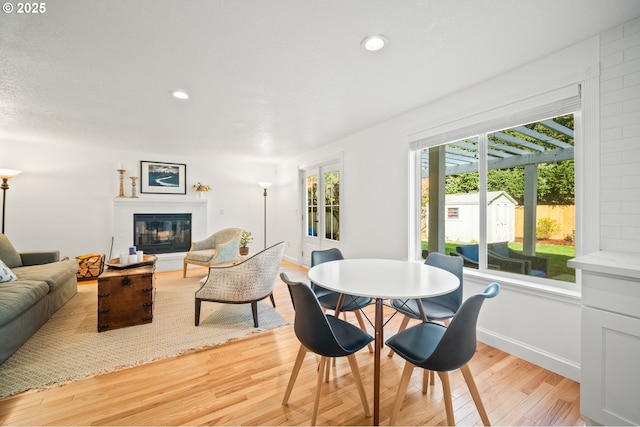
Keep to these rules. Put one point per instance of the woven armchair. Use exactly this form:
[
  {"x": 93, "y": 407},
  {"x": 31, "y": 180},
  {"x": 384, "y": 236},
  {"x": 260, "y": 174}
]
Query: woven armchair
[
  {"x": 247, "y": 282},
  {"x": 221, "y": 247},
  {"x": 501, "y": 257}
]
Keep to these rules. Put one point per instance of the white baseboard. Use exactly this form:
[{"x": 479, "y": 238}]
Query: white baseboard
[
  {"x": 551, "y": 362},
  {"x": 291, "y": 259}
]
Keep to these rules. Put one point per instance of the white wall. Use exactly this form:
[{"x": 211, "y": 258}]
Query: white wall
[
  {"x": 620, "y": 138},
  {"x": 540, "y": 324},
  {"x": 64, "y": 197}
]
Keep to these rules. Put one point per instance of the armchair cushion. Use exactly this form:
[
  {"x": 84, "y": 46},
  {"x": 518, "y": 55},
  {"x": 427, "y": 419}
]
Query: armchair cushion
[
  {"x": 501, "y": 249},
  {"x": 469, "y": 251},
  {"x": 201, "y": 256}
]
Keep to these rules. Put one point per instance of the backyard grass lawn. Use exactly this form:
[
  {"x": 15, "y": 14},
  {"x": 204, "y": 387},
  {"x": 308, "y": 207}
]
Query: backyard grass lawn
[{"x": 558, "y": 256}]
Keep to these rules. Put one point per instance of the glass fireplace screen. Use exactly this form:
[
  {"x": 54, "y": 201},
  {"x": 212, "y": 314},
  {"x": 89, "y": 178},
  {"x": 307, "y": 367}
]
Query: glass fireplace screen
[{"x": 162, "y": 233}]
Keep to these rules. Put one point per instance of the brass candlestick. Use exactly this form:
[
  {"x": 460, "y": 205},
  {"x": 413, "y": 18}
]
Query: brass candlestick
[
  {"x": 121, "y": 172},
  {"x": 133, "y": 187}
]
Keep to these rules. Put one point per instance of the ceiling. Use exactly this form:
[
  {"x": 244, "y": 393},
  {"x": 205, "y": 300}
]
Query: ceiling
[{"x": 267, "y": 78}]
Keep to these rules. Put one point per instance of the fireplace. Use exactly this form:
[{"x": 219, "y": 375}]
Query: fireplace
[{"x": 162, "y": 233}]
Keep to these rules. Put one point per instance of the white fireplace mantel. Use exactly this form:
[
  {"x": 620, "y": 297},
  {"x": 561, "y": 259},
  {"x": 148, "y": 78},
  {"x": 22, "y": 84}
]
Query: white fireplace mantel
[{"x": 125, "y": 208}]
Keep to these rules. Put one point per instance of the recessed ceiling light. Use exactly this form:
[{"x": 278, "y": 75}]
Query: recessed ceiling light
[
  {"x": 180, "y": 94},
  {"x": 374, "y": 43}
]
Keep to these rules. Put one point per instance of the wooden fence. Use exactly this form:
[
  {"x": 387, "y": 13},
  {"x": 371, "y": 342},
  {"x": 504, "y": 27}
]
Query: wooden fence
[{"x": 563, "y": 216}]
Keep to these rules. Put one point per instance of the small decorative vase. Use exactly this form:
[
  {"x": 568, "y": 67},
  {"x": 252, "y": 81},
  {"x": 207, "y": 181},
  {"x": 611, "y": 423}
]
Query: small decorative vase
[
  {"x": 244, "y": 251},
  {"x": 200, "y": 195}
]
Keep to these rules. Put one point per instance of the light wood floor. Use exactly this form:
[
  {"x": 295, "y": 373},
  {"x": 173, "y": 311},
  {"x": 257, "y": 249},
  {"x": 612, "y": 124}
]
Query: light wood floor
[{"x": 243, "y": 382}]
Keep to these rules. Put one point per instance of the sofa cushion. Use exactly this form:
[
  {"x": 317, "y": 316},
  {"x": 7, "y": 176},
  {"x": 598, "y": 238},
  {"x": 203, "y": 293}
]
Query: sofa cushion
[
  {"x": 6, "y": 275},
  {"x": 55, "y": 274},
  {"x": 17, "y": 297},
  {"x": 8, "y": 253}
]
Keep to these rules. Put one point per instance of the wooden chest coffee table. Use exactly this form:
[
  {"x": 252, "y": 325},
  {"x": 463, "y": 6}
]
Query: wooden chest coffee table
[{"x": 125, "y": 297}]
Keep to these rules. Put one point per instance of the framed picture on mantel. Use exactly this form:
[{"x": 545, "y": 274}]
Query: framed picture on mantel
[{"x": 163, "y": 178}]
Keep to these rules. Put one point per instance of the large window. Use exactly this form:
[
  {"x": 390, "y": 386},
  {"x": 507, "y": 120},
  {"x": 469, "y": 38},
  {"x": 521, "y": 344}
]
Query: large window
[{"x": 504, "y": 200}]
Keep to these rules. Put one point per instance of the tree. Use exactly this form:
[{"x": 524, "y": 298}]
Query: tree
[{"x": 556, "y": 183}]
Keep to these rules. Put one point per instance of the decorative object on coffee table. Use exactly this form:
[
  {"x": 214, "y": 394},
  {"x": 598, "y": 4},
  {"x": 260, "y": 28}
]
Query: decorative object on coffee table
[
  {"x": 117, "y": 264},
  {"x": 163, "y": 178}
]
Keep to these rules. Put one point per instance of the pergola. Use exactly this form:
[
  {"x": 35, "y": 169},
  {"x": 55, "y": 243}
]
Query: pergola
[{"x": 518, "y": 146}]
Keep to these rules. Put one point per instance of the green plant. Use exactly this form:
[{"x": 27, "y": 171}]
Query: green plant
[
  {"x": 245, "y": 238},
  {"x": 546, "y": 227}
]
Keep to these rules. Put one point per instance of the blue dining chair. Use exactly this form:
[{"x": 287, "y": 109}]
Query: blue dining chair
[
  {"x": 329, "y": 299},
  {"x": 438, "y": 348},
  {"x": 326, "y": 336},
  {"x": 440, "y": 308}
]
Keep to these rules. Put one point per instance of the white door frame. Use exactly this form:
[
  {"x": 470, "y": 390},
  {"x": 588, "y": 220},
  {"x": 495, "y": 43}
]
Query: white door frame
[{"x": 319, "y": 242}]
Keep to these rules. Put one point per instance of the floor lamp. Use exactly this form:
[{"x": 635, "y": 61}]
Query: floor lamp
[
  {"x": 264, "y": 186},
  {"x": 6, "y": 175}
]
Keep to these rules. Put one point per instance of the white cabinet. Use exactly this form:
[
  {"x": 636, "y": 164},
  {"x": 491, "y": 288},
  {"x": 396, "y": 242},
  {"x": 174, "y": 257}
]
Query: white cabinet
[{"x": 610, "y": 345}]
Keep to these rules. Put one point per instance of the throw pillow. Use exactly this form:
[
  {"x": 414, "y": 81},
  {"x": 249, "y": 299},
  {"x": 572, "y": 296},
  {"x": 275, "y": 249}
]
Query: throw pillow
[
  {"x": 8, "y": 253},
  {"x": 6, "y": 275}
]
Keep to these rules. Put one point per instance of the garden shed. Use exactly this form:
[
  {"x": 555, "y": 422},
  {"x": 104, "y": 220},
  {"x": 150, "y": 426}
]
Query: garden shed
[{"x": 462, "y": 217}]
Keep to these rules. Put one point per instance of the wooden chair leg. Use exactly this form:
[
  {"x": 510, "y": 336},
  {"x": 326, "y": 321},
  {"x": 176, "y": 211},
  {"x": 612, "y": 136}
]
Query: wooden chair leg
[
  {"x": 428, "y": 377},
  {"x": 316, "y": 402},
  {"x": 356, "y": 375},
  {"x": 402, "y": 389},
  {"x": 466, "y": 373},
  {"x": 446, "y": 394},
  {"x": 402, "y": 327},
  {"x": 302, "y": 352},
  {"x": 327, "y": 371},
  {"x": 363, "y": 327},
  {"x": 197, "y": 311},
  {"x": 184, "y": 269}
]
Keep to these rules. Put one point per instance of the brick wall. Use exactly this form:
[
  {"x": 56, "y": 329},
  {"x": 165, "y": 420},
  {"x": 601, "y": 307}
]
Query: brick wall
[{"x": 620, "y": 138}]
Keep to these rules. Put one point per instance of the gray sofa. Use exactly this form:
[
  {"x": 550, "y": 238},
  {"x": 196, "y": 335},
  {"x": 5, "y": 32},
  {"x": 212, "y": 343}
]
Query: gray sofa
[{"x": 43, "y": 285}]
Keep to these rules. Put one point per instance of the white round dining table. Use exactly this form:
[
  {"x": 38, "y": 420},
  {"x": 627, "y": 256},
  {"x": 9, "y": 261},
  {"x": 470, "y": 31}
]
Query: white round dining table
[{"x": 382, "y": 279}]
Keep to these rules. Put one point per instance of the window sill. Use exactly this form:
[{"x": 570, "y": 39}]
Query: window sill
[{"x": 534, "y": 286}]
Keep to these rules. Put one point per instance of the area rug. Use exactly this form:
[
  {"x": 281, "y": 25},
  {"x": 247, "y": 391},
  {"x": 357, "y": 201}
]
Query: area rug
[{"x": 68, "y": 347}]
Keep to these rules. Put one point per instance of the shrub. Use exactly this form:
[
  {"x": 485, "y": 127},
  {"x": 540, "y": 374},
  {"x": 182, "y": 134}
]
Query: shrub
[{"x": 546, "y": 227}]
